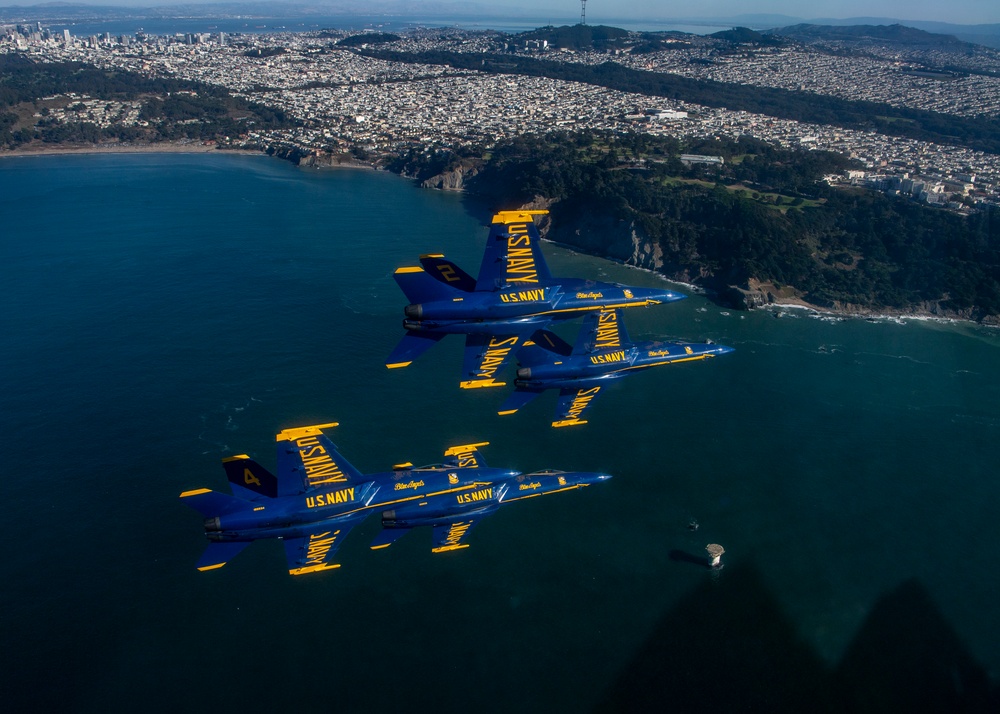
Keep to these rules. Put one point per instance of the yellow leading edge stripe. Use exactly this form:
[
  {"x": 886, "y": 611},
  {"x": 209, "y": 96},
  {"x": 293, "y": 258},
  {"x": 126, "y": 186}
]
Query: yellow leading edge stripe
[
  {"x": 195, "y": 492},
  {"x": 568, "y": 422},
  {"x": 313, "y": 568},
  {"x": 464, "y": 448},
  {"x": 397, "y": 365},
  {"x": 481, "y": 384},
  {"x": 299, "y": 432},
  {"x": 517, "y": 216}
]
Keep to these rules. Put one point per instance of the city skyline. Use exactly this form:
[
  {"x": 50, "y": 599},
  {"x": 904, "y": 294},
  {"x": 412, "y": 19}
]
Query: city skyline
[{"x": 599, "y": 11}]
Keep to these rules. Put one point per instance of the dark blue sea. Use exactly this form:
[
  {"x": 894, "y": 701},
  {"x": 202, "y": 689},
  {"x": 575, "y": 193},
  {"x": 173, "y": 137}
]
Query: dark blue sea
[{"x": 161, "y": 312}]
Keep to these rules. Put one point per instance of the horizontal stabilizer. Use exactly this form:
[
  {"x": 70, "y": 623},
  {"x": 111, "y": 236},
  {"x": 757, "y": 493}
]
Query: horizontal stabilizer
[
  {"x": 518, "y": 398},
  {"x": 421, "y": 287},
  {"x": 447, "y": 272},
  {"x": 412, "y": 346},
  {"x": 388, "y": 536},
  {"x": 212, "y": 503},
  {"x": 549, "y": 342},
  {"x": 218, "y": 554}
]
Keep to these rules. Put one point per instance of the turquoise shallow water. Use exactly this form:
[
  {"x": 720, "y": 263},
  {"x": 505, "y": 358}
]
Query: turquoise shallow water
[{"x": 161, "y": 312}]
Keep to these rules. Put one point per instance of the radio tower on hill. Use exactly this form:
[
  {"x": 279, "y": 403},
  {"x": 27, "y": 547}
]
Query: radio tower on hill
[{"x": 583, "y": 12}]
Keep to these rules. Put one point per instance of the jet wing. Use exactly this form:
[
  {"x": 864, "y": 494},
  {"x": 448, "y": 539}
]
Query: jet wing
[
  {"x": 513, "y": 252},
  {"x": 572, "y": 404},
  {"x": 314, "y": 552},
  {"x": 602, "y": 329},
  {"x": 451, "y": 536},
  {"x": 307, "y": 459},
  {"x": 485, "y": 357}
]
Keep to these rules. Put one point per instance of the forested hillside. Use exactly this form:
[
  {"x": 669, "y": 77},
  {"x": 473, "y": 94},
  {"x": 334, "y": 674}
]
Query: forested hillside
[{"x": 764, "y": 215}]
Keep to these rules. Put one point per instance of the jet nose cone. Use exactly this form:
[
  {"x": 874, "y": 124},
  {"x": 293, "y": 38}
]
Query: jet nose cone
[
  {"x": 656, "y": 296},
  {"x": 712, "y": 349},
  {"x": 603, "y": 477}
]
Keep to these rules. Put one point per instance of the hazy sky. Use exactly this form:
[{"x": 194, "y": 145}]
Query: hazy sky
[{"x": 960, "y": 12}]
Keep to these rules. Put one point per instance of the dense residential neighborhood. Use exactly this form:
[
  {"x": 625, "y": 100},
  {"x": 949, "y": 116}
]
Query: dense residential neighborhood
[{"x": 344, "y": 101}]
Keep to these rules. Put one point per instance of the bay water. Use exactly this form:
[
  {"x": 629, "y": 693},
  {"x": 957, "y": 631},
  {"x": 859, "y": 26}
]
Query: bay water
[{"x": 163, "y": 311}]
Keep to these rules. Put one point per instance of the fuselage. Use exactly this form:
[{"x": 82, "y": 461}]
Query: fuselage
[
  {"x": 527, "y": 306},
  {"x": 407, "y": 497},
  {"x": 596, "y": 367}
]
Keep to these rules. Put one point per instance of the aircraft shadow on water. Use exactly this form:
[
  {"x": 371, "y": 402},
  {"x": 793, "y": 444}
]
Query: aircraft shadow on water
[
  {"x": 514, "y": 295},
  {"x": 317, "y": 497},
  {"x": 728, "y": 646},
  {"x": 603, "y": 354}
]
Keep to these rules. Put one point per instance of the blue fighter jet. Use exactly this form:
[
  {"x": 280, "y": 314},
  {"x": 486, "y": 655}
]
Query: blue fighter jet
[
  {"x": 514, "y": 296},
  {"x": 602, "y": 354},
  {"x": 317, "y": 497}
]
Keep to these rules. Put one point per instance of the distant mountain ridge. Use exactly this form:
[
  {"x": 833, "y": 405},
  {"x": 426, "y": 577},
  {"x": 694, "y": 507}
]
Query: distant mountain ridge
[
  {"x": 891, "y": 34},
  {"x": 982, "y": 34}
]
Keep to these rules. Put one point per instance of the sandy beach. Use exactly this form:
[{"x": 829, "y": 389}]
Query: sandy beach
[{"x": 166, "y": 147}]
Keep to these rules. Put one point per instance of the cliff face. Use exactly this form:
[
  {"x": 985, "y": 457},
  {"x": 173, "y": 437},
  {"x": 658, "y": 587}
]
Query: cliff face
[
  {"x": 601, "y": 234},
  {"x": 455, "y": 179},
  {"x": 626, "y": 241},
  {"x": 597, "y": 233},
  {"x": 321, "y": 160}
]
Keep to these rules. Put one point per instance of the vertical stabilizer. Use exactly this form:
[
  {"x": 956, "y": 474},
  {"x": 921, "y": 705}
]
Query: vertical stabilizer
[
  {"x": 419, "y": 286},
  {"x": 248, "y": 479}
]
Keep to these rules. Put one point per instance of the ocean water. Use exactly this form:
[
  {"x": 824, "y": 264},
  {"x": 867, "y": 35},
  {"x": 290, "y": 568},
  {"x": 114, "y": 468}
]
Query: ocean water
[{"x": 161, "y": 312}]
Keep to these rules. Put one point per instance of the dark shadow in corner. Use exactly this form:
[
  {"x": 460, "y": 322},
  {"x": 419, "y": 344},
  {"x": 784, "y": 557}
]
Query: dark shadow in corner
[
  {"x": 907, "y": 658},
  {"x": 727, "y": 647}
]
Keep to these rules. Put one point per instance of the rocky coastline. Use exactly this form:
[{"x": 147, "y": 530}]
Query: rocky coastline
[
  {"x": 589, "y": 233},
  {"x": 581, "y": 231}
]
